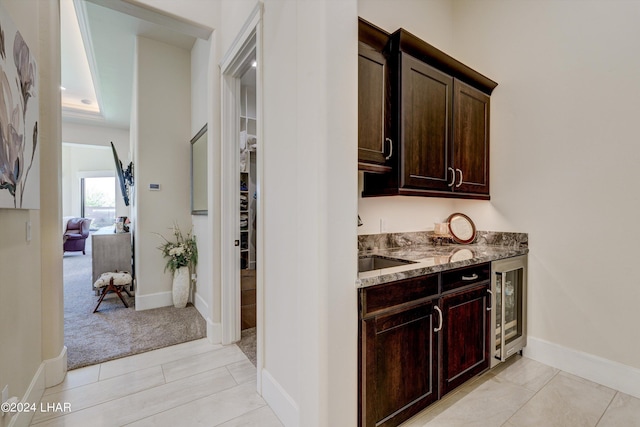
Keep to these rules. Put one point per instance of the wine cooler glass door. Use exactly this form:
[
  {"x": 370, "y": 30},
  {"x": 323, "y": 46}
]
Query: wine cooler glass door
[{"x": 509, "y": 311}]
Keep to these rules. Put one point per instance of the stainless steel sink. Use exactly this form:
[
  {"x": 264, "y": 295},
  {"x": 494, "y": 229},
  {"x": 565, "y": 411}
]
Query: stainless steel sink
[{"x": 376, "y": 262}]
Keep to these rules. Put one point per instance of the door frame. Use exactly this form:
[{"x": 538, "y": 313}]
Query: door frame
[{"x": 232, "y": 66}]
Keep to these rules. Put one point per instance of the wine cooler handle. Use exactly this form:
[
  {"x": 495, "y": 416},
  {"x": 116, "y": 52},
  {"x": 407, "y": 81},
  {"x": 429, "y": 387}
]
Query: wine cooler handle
[
  {"x": 439, "y": 323},
  {"x": 490, "y": 300},
  {"x": 503, "y": 319},
  {"x": 472, "y": 277}
]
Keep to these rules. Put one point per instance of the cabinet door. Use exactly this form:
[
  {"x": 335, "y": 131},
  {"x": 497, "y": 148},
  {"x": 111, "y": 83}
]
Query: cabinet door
[
  {"x": 465, "y": 338},
  {"x": 399, "y": 359},
  {"x": 373, "y": 111},
  {"x": 471, "y": 139},
  {"x": 426, "y": 119}
]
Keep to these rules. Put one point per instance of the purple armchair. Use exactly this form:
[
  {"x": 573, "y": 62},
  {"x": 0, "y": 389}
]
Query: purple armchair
[{"x": 76, "y": 234}]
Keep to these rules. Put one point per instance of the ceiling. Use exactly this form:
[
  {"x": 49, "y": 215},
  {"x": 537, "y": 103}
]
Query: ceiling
[{"x": 97, "y": 55}]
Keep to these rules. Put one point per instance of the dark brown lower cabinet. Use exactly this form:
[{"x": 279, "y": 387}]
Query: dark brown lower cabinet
[
  {"x": 419, "y": 339},
  {"x": 465, "y": 341},
  {"x": 400, "y": 363}
]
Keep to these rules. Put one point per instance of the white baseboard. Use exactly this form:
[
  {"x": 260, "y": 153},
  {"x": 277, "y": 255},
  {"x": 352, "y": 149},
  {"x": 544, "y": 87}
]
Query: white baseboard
[
  {"x": 593, "y": 368},
  {"x": 33, "y": 395},
  {"x": 55, "y": 369},
  {"x": 279, "y": 400},
  {"x": 201, "y": 305},
  {"x": 50, "y": 372},
  {"x": 214, "y": 331},
  {"x": 157, "y": 300}
]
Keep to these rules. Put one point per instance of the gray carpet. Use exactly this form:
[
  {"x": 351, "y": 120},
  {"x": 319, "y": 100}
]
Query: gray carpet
[{"x": 115, "y": 331}]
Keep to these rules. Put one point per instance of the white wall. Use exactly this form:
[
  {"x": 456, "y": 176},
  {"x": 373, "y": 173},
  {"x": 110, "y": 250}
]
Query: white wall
[
  {"x": 310, "y": 115},
  {"x": 565, "y": 158},
  {"x": 227, "y": 18},
  {"x": 30, "y": 331},
  {"x": 20, "y": 273},
  {"x": 203, "y": 225},
  {"x": 431, "y": 20},
  {"x": 161, "y": 155}
]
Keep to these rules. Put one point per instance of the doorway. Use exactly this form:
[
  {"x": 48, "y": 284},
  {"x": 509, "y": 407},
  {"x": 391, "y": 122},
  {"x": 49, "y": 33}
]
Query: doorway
[
  {"x": 109, "y": 34},
  {"x": 248, "y": 146},
  {"x": 242, "y": 190}
]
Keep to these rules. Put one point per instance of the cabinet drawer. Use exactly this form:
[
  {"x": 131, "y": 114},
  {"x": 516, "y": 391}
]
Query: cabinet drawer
[
  {"x": 465, "y": 276},
  {"x": 380, "y": 297}
]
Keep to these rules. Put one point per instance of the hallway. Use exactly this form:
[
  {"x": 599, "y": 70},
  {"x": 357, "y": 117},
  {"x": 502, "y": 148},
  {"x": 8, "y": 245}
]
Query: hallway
[{"x": 195, "y": 383}]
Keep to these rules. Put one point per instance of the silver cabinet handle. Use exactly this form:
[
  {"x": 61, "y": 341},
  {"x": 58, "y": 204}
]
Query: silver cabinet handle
[
  {"x": 490, "y": 300},
  {"x": 474, "y": 276},
  {"x": 453, "y": 176},
  {"x": 460, "y": 182},
  {"x": 439, "y": 323},
  {"x": 390, "y": 148}
]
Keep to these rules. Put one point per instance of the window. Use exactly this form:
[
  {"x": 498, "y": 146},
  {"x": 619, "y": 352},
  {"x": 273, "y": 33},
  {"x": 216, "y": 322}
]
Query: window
[{"x": 99, "y": 201}]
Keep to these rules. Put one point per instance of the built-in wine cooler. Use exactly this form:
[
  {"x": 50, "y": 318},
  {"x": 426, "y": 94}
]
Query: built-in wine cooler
[{"x": 509, "y": 316}]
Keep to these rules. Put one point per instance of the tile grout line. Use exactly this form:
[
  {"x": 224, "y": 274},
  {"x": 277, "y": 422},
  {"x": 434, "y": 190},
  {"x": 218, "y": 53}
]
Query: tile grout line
[
  {"x": 607, "y": 408},
  {"x": 159, "y": 364},
  {"x": 242, "y": 415},
  {"x": 530, "y": 399},
  {"x": 45, "y": 420},
  {"x": 61, "y": 415},
  {"x": 128, "y": 395},
  {"x": 183, "y": 404}
]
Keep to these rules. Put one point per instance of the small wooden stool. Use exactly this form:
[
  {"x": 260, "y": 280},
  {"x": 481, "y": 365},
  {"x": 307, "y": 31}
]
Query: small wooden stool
[{"x": 113, "y": 281}]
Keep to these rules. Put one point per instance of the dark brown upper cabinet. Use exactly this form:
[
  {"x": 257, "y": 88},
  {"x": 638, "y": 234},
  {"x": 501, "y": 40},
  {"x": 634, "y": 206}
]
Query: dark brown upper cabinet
[
  {"x": 375, "y": 148},
  {"x": 440, "y": 122}
]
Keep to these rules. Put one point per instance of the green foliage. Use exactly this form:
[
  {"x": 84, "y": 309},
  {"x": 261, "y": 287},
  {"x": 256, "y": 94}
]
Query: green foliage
[
  {"x": 98, "y": 199},
  {"x": 181, "y": 253}
]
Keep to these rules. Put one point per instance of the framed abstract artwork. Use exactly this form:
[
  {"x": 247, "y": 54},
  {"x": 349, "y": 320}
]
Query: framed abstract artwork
[{"x": 19, "y": 114}]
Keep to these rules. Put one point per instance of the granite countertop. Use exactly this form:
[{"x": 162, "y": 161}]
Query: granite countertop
[{"x": 431, "y": 254}]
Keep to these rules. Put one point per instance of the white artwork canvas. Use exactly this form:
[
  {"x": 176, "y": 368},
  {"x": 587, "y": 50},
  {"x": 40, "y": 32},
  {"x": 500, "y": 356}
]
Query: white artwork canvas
[{"x": 19, "y": 114}]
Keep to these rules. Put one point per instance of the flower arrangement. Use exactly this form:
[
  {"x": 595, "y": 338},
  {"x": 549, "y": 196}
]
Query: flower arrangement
[{"x": 181, "y": 253}]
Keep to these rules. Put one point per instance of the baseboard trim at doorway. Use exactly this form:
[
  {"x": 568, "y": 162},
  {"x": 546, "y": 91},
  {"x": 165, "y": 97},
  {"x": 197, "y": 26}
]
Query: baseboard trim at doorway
[
  {"x": 279, "y": 400},
  {"x": 50, "y": 372},
  {"x": 55, "y": 369},
  {"x": 157, "y": 300}
]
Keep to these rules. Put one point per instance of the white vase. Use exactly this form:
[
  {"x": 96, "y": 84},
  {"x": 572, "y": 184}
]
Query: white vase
[{"x": 181, "y": 287}]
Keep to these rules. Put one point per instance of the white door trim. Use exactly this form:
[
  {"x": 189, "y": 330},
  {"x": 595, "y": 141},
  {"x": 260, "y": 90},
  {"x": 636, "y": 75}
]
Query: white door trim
[{"x": 248, "y": 41}]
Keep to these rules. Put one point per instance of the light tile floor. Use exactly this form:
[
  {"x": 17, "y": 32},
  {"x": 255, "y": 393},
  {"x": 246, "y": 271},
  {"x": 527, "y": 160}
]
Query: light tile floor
[
  {"x": 191, "y": 384},
  {"x": 203, "y": 384},
  {"x": 525, "y": 393}
]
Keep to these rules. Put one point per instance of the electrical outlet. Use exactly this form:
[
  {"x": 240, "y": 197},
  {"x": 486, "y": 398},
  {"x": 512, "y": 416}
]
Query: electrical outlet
[{"x": 383, "y": 225}]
